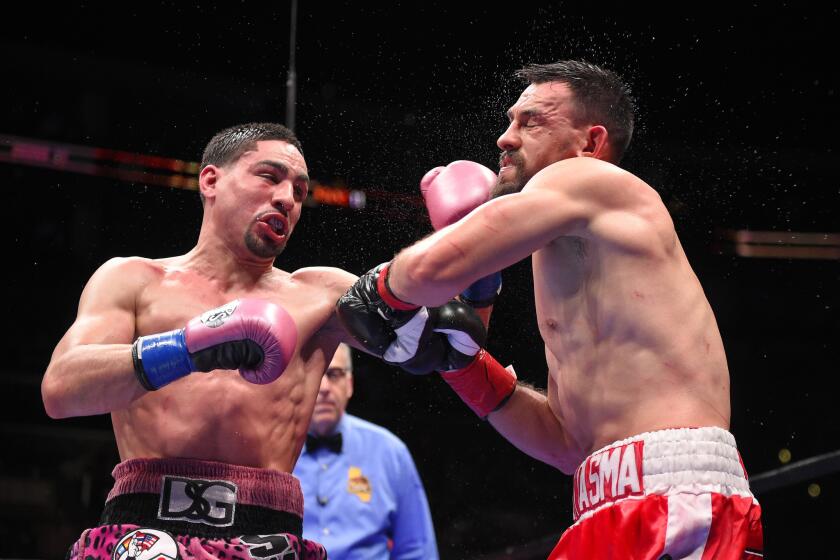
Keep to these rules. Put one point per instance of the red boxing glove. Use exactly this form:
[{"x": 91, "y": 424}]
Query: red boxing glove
[
  {"x": 484, "y": 384},
  {"x": 454, "y": 191}
]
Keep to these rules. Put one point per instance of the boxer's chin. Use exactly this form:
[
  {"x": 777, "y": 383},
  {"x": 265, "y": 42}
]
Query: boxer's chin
[
  {"x": 503, "y": 187},
  {"x": 261, "y": 247}
]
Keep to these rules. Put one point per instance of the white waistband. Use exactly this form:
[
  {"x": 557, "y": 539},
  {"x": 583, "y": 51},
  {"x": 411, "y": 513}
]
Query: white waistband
[
  {"x": 706, "y": 458},
  {"x": 679, "y": 460}
]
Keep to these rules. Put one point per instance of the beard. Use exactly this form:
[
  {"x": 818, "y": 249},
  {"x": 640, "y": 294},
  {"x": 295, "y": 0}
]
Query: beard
[
  {"x": 502, "y": 188},
  {"x": 262, "y": 248},
  {"x": 514, "y": 185}
]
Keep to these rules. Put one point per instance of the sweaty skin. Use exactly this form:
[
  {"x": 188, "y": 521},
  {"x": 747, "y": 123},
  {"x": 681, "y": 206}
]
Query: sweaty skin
[
  {"x": 631, "y": 342},
  {"x": 215, "y": 416}
]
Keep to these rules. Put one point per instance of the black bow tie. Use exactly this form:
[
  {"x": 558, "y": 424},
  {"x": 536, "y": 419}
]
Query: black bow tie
[{"x": 333, "y": 443}]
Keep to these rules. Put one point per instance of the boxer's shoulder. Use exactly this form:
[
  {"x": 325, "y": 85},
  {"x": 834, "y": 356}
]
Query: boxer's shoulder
[
  {"x": 587, "y": 177},
  {"x": 609, "y": 199},
  {"x": 118, "y": 283},
  {"x": 326, "y": 278},
  {"x": 129, "y": 271}
]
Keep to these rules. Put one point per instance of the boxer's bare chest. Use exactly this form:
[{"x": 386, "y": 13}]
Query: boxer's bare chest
[
  {"x": 563, "y": 281},
  {"x": 219, "y": 416},
  {"x": 176, "y": 296}
]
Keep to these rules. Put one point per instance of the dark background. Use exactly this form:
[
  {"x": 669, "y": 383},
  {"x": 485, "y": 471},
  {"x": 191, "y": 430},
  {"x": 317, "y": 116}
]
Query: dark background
[{"x": 737, "y": 128}]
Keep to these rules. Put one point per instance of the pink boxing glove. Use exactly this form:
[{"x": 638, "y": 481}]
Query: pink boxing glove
[
  {"x": 451, "y": 193},
  {"x": 454, "y": 191},
  {"x": 256, "y": 337}
]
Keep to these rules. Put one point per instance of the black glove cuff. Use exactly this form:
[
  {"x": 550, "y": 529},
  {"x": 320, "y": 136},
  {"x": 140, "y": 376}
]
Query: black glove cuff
[{"x": 139, "y": 372}]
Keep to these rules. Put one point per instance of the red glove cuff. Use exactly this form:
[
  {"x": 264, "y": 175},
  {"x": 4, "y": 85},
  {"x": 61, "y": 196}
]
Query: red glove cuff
[
  {"x": 484, "y": 384},
  {"x": 387, "y": 295}
]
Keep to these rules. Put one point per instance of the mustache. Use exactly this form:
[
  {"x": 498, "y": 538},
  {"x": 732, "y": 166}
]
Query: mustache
[{"x": 513, "y": 157}]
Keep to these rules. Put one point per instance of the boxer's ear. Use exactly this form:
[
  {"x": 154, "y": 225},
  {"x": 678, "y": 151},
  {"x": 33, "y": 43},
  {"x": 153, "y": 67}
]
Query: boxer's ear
[
  {"x": 596, "y": 143},
  {"x": 208, "y": 178}
]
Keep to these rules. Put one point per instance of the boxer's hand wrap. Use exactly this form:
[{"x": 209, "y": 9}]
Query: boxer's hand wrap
[
  {"x": 256, "y": 337},
  {"x": 484, "y": 385},
  {"x": 451, "y": 193},
  {"x": 398, "y": 332}
]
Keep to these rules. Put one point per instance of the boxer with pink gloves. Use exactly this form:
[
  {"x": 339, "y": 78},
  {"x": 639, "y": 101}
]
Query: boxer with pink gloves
[
  {"x": 206, "y": 460},
  {"x": 254, "y": 336}
]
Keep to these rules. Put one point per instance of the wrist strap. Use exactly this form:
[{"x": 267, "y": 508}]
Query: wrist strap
[
  {"x": 387, "y": 294},
  {"x": 484, "y": 385},
  {"x": 483, "y": 292},
  {"x": 139, "y": 372},
  {"x": 160, "y": 359}
]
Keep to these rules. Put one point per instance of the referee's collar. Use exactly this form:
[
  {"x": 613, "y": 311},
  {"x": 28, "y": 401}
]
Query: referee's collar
[{"x": 339, "y": 433}]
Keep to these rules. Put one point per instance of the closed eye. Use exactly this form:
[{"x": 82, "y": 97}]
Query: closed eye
[{"x": 529, "y": 118}]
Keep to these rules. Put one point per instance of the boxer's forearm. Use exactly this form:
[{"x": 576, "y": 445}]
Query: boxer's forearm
[
  {"x": 90, "y": 379},
  {"x": 417, "y": 276},
  {"x": 528, "y": 423},
  {"x": 442, "y": 265}
]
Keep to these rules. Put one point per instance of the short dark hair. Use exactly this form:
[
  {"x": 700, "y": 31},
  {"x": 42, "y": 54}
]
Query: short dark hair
[
  {"x": 601, "y": 95},
  {"x": 229, "y": 144}
]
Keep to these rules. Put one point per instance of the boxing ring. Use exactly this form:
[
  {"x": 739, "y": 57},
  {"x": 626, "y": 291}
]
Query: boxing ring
[{"x": 174, "y": 173}]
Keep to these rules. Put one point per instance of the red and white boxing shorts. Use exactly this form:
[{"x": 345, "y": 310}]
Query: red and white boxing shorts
[{"x": 664, "y": 495}]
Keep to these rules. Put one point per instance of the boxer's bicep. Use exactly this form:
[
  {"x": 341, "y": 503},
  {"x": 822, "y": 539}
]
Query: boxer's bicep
[
  {"x": 106, "y": 313},
  {"x": 91, "y": 370}
]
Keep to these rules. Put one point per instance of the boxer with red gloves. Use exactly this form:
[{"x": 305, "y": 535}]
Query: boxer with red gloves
[
  {"x": 450, "y": 193},
  {"x": 448, "y": 339},
  {"x": 254, "y": 336},
  {"x": 637, "y": 401}
]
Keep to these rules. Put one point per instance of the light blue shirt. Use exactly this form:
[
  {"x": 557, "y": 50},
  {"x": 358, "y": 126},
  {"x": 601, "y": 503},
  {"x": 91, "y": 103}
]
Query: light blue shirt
[{"x": 370, "y": 493}]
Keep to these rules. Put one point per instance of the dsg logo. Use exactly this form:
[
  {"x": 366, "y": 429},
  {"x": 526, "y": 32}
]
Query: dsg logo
[
  {"x": 216, "y": 317},
  {"x": 212, "y": 502}
]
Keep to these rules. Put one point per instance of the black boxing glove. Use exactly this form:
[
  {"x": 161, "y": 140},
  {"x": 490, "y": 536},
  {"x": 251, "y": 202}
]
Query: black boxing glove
[
  {"x": 398, "y": 332},
  {"x": 481, "y": 382},
  {"x": 465, "y": 334}
]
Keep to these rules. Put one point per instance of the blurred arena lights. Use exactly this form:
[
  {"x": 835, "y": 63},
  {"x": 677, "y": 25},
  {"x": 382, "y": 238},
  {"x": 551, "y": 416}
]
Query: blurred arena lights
[
  {"x": 780, "y": 244},
  {"x": 102, "y": 162},
  {"x": 784, "y": 456},
  {"x": 175, "y": 173},
  {"x": 145, "y": 169}
]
